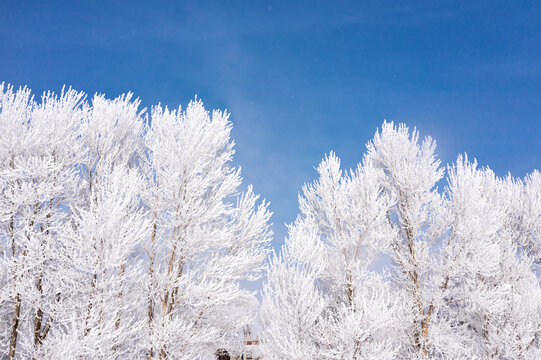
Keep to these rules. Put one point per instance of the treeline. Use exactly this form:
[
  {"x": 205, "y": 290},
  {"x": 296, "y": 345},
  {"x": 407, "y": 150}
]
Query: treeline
[{"x": 124, "y": 235}]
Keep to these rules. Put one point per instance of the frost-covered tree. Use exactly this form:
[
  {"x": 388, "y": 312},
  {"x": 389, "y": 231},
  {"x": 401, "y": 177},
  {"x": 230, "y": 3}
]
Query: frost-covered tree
[
  {"x": 205, "y": 239},
  {"x": 326, "y": 266},
  {"x": 108, "y": 224},
  {"x": 459, "y": 280},
  {"x": 121, "y": 240},
  {"x": 39, "y": 153},
  {"x": 490, "y": 294},
  {"x": 409, "y": 172}
]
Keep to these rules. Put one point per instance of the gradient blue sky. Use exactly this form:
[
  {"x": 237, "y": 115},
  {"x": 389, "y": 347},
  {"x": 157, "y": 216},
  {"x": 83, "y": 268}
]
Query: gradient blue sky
[{"x": 302, "y": 78}]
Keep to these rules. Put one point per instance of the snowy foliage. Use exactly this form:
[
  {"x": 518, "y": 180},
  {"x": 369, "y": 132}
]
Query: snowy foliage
[
  {"x": 381, "y": 265},
  {"x": 122, "y": 237}
]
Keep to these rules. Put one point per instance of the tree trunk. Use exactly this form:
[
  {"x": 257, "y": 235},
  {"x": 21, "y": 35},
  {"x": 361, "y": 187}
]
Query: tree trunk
[
  {"x": 15, "y": 327},
  {"x": 119, "y": 302}
]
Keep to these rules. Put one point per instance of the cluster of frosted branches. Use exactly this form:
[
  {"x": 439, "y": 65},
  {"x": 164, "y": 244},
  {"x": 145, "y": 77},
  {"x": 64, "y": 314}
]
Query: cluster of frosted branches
[
  {"x": 380, "y": 265},
  {"x": 122, "y": 235}
]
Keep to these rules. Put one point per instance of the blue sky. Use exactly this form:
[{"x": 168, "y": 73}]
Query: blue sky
[{"x": 302, "y": 78}]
